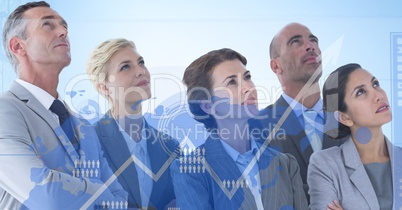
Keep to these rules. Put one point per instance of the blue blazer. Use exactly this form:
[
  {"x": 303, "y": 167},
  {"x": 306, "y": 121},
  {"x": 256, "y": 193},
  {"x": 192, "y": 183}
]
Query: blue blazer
[
  {"x": 161, "y": 149},
  {"x": 338, "y": 174},
  {"x": 292, "y": 138},
  {"x": 40, "y": 169},
  {"x": 279, "y": 175}
]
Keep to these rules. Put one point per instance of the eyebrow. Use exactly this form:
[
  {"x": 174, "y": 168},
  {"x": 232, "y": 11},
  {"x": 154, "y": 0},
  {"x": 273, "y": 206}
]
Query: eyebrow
[
  {"x": 124, "y": 62},
  {"x": 312, "y": 36},
  {"x": 234, "y": 76},
  {"x": 300, "y": 36},
  {"x": 294, "y": 37},
  {"x": 62, "y": 21},
  {"x": 360, "y": 86}
]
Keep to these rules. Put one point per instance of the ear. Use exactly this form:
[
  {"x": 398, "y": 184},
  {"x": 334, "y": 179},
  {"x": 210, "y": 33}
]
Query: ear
[
  {"x": 343, "y": 118},
  {"x": 104, "y": 89},
  {"x": 275, "y": 66},
  {"x": 17, "y": 46},
  {"x": 206, "y": 106}
]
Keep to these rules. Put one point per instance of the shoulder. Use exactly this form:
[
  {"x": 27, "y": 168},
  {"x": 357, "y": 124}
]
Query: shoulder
[
  {"x": 161, "y": 139},
  {"x": 9, "y": 100},
  {"x": 326, "y": 156},
  {"x": 105, "y": 122},
  {"x": 282, "y": 158}
]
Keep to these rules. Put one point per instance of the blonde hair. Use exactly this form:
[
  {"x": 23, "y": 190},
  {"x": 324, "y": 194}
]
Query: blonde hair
[{"x": 98, "y": 61}]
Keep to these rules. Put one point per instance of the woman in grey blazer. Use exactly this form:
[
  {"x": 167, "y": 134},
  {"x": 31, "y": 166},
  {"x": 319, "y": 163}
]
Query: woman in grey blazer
[{"x": 359, "y": 174}]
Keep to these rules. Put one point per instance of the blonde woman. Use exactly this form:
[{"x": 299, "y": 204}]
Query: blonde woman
[{"x": 118, "y": 72}]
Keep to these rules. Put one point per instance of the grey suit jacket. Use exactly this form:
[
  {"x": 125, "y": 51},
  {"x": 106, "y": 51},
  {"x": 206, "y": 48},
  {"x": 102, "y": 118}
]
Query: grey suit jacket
[
  {"x": 279, "y": 174},
  {"x": 40, "y": 169},
  {"x": 337, "y": 173},
  {"x": 291, "y": 138}
]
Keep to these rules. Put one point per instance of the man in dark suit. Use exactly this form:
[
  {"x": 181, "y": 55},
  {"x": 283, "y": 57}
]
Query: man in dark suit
[
  {"x": 296, "y": 60},
  {"x": 49, "y": 158}
]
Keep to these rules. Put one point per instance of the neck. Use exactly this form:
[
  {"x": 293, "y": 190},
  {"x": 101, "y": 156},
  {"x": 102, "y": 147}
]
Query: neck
[
  {"x": 235, "y": 132},
  {"x": 308, "y": 96},
  {"x": 124, "y": 110},
  {"x": 375, "y": 150},
  {"x": 131, "y": 123},
  {"x": 46, "y": 80}
]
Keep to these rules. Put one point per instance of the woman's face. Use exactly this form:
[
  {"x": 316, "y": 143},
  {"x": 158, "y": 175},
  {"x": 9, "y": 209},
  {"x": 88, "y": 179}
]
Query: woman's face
[
  {"x": 234, "y": 93},
  {"x": 367, "y": 103},
  {"x": 128, "y": 78}
]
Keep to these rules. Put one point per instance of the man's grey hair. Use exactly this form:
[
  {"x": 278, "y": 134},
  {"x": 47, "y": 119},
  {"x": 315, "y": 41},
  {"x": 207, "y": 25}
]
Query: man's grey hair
[{"x": 15, "y": 26}]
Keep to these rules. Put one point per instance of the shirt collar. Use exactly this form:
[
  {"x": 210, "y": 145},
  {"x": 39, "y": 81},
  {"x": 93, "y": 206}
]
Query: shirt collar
[
  {"x": 298, "y": 108},
  {"x": 41, "y": 95},
  {"x": 235, "y": 155},
  {"x": 129, "y": 140}
]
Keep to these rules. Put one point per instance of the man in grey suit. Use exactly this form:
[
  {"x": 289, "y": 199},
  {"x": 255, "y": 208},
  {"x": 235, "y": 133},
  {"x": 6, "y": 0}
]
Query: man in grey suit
[
  {"x": 296, "y": 60},
  {"x": 49, "y": 158}
]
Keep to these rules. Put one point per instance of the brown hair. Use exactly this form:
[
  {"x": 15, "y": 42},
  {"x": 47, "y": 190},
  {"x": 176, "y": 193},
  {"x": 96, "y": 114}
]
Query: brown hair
[
  {"x": 333, "y": 92},
  {"x": 197, "y": 78}
]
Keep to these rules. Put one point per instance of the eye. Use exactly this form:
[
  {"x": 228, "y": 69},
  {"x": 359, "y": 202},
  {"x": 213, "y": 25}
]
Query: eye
[
  {"x": 376, "y": 83},
  {"x": 232, "y": 82},
  {"x": 125, "y": 67},
  {"x": 295, "y": 41},
  {"x": 314, "y": 40},
  {"x": 360, "y": 92},
  {"x": 141, "y": 62},
  {"x": 48, "y": 23},
  {"x": 247, "y": 77}
]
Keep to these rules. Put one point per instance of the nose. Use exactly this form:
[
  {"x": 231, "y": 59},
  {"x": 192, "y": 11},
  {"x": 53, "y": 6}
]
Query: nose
[
  {"x": 378, "y": 96},
  {"x": 63, "y": 31},
  {"x": 310, "y": 46},
  {"x": 140, "y": 71},
  {"x": 248, "y": 86}
]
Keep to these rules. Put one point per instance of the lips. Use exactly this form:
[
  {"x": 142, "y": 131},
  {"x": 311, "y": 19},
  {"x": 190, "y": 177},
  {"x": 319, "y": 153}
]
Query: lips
[
  {"x": 311, "y": 58},
  {"x": 62, "y": 44},
  {"x": 384, "y": 107},
  {"x": 143, "y": 83},
  {"x": 249, "y": 101}
]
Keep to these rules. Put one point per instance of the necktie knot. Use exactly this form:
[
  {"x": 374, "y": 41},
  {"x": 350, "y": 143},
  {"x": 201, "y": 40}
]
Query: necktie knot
[
  {"x": 310, "y": 130},
  {"x": 58, "y": 108},
  {"x": 309, "y": 117}
]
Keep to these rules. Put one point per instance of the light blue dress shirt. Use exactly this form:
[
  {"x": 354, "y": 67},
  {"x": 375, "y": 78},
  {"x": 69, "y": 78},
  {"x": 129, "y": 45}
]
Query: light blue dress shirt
[
  {"x": 242, "y": 161},
  {"x": 145, "y": 180},
  {"x": 299, "y": 108}
]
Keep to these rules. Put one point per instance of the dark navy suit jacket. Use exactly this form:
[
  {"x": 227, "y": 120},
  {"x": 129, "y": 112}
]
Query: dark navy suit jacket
[
  {"x": 161, "y": 150},
  {"x": 281, "y": 184}
]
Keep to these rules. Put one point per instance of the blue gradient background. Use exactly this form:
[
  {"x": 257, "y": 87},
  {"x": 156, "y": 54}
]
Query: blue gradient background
[{"x": 171, "y": 34}]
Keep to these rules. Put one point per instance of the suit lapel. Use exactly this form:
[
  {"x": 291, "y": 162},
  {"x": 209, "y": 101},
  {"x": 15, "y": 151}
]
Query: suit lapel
[
  {"x": 226, "y": 170},
  {"x": 32, "y": 103},
  {"x": 157, "y": 158},
  {"x": 358, "y": 175},
  {"x": 395, "y": 155},
  {"x": 294, "y": 131},
  {"x": 116, "y": 148},
  {"x": 267, "y": 178}
]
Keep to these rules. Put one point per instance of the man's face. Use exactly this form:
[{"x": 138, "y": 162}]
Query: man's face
[
  {"x": 47, "y": 41},
  {"x": 299, "y": 54}
]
